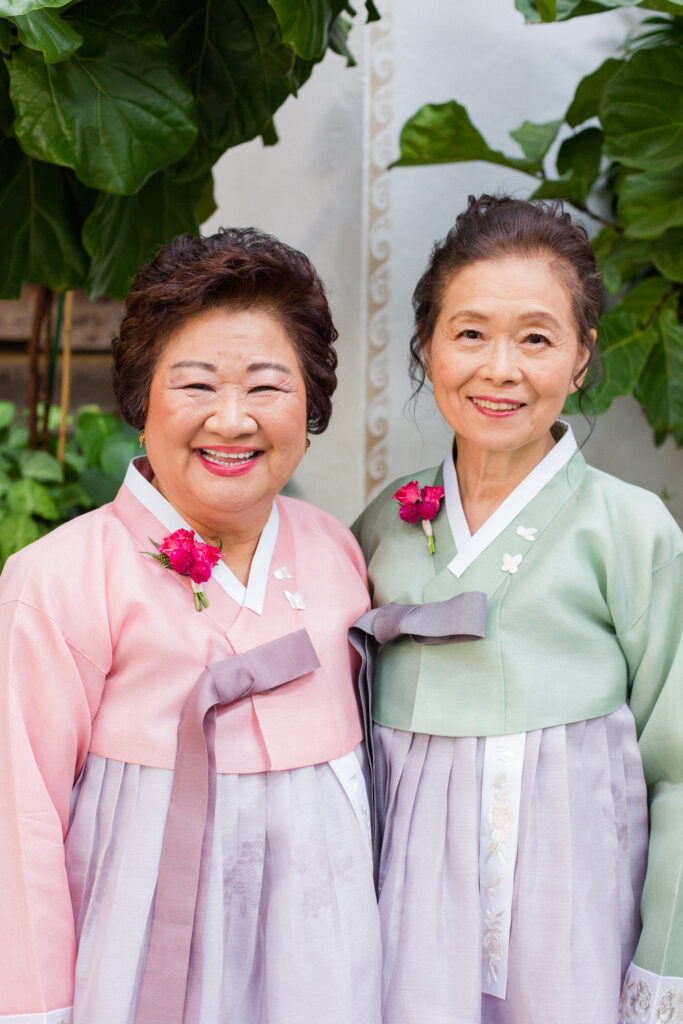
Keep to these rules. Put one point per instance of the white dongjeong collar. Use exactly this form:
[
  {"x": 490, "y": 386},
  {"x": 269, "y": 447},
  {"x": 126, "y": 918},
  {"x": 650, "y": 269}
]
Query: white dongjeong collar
[
  {"x": 254, "y": 594},
  {"x": 470, "y": 546}
]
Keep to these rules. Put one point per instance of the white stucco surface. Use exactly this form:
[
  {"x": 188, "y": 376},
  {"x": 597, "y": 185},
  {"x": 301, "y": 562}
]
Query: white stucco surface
[{"x": 323, "y": 188}]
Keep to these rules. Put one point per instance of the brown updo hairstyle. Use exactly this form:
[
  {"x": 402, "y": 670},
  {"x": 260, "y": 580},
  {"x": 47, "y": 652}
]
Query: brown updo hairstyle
[
  {"x": 493, "y": 227},
  {"x": 237, "y": 269}
]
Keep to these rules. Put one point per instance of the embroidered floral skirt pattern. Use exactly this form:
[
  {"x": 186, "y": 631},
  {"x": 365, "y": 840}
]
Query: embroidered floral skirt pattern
[
  {"x": 291, "y": 931},
  {"x": 581, "y": 856}
]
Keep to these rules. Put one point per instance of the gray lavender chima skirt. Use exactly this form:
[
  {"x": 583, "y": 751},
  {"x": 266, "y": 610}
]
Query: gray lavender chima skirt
[
  {"x": 574, "y": 889},
  {"x": 291, "y": 932}
]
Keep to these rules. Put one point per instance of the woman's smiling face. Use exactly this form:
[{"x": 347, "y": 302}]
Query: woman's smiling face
[
  {"x": 226, "y": 419},
  {"x": 504, "y": 354}
]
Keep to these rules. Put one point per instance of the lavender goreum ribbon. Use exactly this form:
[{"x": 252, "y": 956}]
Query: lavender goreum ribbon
[
  {"x": 171, "y": 983},
  {"x": 456, "y": 620}
]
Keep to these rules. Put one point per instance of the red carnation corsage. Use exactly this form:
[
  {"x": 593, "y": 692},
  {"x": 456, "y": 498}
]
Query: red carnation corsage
[
  {"x": 182, "y": 553},
  {"x": 421, "y": 505}
]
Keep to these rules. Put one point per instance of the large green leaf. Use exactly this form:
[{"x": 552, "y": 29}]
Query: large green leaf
[
  {"x": 579, "y": 158},
  {"x": 642, "y": 110},
  {"x": 16, "y": 531},
  {"x": 307, "y": 26},
  {"x": 626, "y": 337},
  {"x": 535, "y": 139},
  {"x": 667, "y": 254},
  {"x": 47, "y": 32},
  {"x": 123, "y": 232},
  {"x": 624, "y": 348},
  {"x": 31, "y": 497},
  {"x": 664, "y": 6},
  {"x": 649, "y": 203},
  {"x": 442, "y": 133},
  {"x": 620, "y": 258},
  {"x": 534, "y": 10},
  {"x": 660, "y": 388},
  {"x": 12, "y": 8},
  {"x": 236, "y": 64},
  {"x": 40, "y": 219},
  {"x": 116, "y": 111},
  {"x": 586, "y": 102}
]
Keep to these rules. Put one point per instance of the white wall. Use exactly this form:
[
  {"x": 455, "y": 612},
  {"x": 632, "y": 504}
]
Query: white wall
[{"x": 324, "y": 188}]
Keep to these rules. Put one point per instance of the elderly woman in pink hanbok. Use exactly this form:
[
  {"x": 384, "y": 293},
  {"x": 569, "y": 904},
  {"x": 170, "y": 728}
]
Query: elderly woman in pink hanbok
[{"x": 184, "y": 825}]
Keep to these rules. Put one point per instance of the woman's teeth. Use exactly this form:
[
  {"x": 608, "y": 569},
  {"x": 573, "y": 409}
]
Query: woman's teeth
[
  {"x": 497, "y": 406},
  {"x": 226, "y": 458}
]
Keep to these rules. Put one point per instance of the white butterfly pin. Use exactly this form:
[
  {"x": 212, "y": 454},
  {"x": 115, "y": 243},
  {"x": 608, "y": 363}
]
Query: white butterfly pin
[
  {"x": 296, "y": 600},
  {"x": 511, "y": 563},
  {"x": 528, "y": 532},
  {"x": 282, "y": 573}
]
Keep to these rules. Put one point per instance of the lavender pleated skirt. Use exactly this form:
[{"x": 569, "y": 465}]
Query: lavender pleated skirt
[
  {"x": 579, "y": 873},
  {"x": 291, "y": 933}
]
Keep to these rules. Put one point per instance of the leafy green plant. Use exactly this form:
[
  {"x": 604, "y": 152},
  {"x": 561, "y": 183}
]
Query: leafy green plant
[
  {"x": 37, "y": 492},
  {"x": 620, "y": 161},
  {"x": 113, "y": 114}
]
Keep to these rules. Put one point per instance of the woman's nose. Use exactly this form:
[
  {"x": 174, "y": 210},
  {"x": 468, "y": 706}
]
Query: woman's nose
[
  {"x": 231, "y": 416},
  {"x": 501, "y": 363}
]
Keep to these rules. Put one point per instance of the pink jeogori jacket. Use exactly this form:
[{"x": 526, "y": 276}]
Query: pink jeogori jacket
[{"x": 100, "y": 647}]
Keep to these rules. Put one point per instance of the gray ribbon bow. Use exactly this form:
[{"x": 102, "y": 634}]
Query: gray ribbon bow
[
  {"x": 458, "y": 619},
  {"x": 171, "y": 983}
]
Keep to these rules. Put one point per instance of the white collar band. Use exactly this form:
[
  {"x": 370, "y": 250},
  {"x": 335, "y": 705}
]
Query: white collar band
[
  {"x": 470, "y": 546},
  {"x": 253, "y": 595}
]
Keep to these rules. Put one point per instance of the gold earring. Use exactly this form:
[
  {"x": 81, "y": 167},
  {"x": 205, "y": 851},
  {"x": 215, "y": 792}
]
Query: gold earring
[
  {"x": 308, "y": 443},
  {"x": 141, "y": 437}
]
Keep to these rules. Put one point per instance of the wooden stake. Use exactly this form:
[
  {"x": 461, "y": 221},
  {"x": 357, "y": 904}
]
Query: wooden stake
[{"x": 66, "y": 375}]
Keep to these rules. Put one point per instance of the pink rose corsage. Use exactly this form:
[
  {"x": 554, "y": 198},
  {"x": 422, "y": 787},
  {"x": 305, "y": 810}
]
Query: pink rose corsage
[
  {"x": 419, "y": 504},
  {"x": 188, "y": 557}
]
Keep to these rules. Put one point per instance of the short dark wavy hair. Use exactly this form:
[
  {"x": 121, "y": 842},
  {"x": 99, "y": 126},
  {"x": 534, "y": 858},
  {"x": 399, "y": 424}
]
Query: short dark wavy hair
[
  {"x": 235, "y": 269},
  {"x": 493, "y": 227}
]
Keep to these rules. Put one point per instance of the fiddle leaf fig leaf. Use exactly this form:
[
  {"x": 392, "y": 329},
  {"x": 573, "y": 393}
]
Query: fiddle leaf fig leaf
[
  {"x": 626, "y": 337},
  {"x": 41, "y": 220},
  {"x": 663, "y": 6},
  {"x": 642, "y": 110},
  {"x": 547, "y": 9},
  {"x": 624, "y": 348},
  {"x": 660, "y": 388},
  {"x": 233, "y": 58},
  {"x": 535, "y": 139},
  {"x": 667, "y": 254},
  {"x": 579, "y": 158},
  {"x": 115, "y": 111},
  {"x": 650, "y": 203},
  {"x": 589, "y": 91},
  {"x": 307, "y": 27},
  {"x": 5, "y": 37},
  {"x": 47, "y": 32},
  {"x": 533, "y": 10},
  {"x": 442, "y": 133},
  {"x": 123, "y": 232},
  {"x": 12, "y": 8},
  {"x": 620, "y": 257}
]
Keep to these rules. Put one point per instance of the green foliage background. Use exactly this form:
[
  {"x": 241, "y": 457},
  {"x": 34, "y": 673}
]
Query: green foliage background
[
  {"x": 37, "y": 492},
  {"x": 621, "y": 162},
  {"x": 112, "y": 115}
]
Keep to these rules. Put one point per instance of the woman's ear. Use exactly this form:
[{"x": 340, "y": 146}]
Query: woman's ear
[{"x": 583, "y": 360}]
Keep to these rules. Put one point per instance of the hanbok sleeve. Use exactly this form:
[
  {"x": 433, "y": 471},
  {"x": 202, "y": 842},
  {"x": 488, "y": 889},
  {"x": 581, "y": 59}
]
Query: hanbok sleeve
[
  {"x": 653, "y": 989},
  {"x": 49, "y": 692}
]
